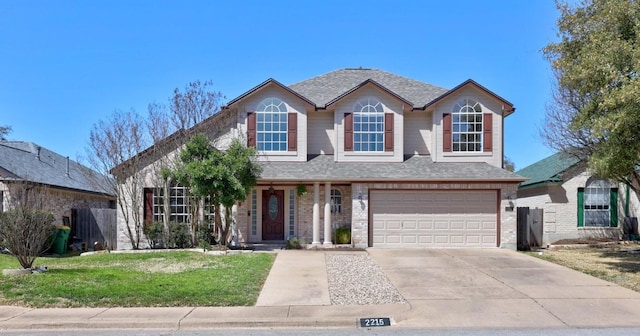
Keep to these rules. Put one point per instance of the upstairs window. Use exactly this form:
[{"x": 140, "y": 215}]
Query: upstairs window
[
  {"x": 368, "y": 126},
  {"x": 271, "y": 125},
  {"x": 467, "y": 126}
]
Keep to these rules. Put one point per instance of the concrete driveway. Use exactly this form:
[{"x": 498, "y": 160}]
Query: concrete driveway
[{"x": 496, "y": 288}]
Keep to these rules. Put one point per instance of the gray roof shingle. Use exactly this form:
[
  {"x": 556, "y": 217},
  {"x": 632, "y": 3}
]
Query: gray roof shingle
[
  {"x": 415, "y": 168},
  {"x": 29, "y": 162},
  {"x": 324, "y": 88}
]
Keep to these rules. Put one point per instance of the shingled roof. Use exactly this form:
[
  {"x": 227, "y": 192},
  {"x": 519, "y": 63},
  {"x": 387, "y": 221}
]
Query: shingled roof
[
  {"x": 324, "y": 88},
  {"x": 414, "y": 168},
  {"x": 26, "y": 161},
  {"x": 548, "y": 170}
]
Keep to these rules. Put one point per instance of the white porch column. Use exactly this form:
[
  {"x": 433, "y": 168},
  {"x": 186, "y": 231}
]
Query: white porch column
[
  {"x": 327, "y": 213},
  {"x": 316, "y": 214}
]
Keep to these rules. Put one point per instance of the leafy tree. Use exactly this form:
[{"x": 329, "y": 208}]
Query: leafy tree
[
  {"x": 27, "y": 227},
  {"x": 171, "y": 124},
  {"x": 116, "y": 147},
  {"x": 4, "y": 131},
  {"x": 224, "y": 177},
  {"x": 596, "y": 110}
]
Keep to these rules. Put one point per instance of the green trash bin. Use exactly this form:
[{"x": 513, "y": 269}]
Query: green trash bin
[{"x": 62, "y": 237}]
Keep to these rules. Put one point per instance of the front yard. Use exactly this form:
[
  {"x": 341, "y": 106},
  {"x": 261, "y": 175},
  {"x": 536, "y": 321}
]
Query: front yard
[
  {"x": 619, "y": 264},
  {"x": 138, "y": 280}
]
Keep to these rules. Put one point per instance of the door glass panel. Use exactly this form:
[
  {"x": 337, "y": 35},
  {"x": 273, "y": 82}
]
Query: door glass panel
[{"x": 273, "y": 207}]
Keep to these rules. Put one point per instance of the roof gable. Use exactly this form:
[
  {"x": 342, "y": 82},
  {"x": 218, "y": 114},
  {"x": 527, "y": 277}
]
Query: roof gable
[
  {"x": 370, "y": 82},
  {"x": 324, "y": 89},
  {"x": 508, "y": 107},
  {"x": 548, "y": 170},
  {"x": 265, "y": 84}
]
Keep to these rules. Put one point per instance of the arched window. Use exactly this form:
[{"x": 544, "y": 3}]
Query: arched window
[
  {"x": 271, "y": 125},
  {"x": 597, "y": 203},
  {"x": 466, "y": 125},
  {"x": 368, "y": 126},
  {"x": 336, "y": 201}
]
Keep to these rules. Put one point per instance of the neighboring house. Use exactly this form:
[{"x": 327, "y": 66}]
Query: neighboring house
[
  {"x": 71, "y": 188},
  {"x": 400, "y": 162},
  {"x": 576, "y": 204}
]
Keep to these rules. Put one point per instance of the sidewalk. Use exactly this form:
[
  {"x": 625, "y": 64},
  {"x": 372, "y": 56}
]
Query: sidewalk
[
  {"x": 189, "y": 318},
  {"x": 457, "y": 288},
  {"x": 295, "y": 295}
]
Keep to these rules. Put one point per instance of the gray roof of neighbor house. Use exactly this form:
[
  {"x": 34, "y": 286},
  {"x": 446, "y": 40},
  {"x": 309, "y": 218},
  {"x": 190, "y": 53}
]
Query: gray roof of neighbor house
[
  {"x": 324, "y": 88},
  {"x": 548, "y": 170},
  {"x": 26, "y": 161},
  {"x": 414, "y": 168}
]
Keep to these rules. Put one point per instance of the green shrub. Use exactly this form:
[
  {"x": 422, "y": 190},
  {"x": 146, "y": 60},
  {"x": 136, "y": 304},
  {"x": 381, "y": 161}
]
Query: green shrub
[
  {"x": 342, "y": 235},
  {"x": 295, "y": 243},
  {"x": 179, "y": 236},
  {"x": 155, "y": 234}
]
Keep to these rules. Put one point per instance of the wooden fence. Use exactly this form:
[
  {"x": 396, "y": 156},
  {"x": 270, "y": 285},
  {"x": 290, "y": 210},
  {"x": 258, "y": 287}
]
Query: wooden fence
[
  {"x": 529, "y": 228},
  {"x": 96, "y": 225}
]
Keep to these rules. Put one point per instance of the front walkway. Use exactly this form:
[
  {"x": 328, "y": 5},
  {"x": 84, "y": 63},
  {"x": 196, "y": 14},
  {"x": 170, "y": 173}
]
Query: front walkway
[{"x": 297, "y": 278}]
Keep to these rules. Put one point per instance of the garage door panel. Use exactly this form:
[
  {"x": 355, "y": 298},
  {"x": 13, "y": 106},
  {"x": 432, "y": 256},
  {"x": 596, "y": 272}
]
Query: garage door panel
[
  {"x": 425, "y": 225},
  {"x": 423, "y": 218},
  {"x": 457, "y": 225}
]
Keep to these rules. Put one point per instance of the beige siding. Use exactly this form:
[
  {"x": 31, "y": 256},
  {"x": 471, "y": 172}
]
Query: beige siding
[
  {"x": 294, "y": 104},
  {"x": 390, "y": 106},
  {"x": 417, "y": 133},
  {"x": 321, "y": 136},
  {"x": 489, "y": 104}
]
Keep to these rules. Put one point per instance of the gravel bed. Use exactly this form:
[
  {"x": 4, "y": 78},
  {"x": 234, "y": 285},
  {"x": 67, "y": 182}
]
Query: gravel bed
[{"x": 355, "y": 279}]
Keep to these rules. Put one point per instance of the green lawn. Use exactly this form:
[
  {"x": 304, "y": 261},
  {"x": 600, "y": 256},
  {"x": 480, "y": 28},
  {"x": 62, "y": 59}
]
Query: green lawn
[{"x": 138, "y": 280}]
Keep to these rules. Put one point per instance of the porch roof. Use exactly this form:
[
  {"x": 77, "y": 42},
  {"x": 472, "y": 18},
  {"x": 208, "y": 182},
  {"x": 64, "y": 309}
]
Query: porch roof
[{"x": 415, "y": 168}]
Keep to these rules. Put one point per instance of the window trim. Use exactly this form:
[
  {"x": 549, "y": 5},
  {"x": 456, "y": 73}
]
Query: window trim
[
  {"x": 486, "y": 133},
  {"x": 356, "y": 138},
  {"x": 611, "y": 204}
]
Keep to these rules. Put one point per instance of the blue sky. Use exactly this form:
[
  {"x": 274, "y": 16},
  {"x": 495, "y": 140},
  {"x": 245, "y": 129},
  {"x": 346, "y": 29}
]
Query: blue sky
[{"x": 65, "y": 65}]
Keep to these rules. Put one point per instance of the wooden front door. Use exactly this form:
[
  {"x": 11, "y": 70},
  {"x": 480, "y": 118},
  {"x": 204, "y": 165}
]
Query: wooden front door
[{"x": 273, "y": 215}]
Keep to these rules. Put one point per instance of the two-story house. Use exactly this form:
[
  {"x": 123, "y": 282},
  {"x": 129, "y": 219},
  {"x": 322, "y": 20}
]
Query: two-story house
[{"x": 400, "y": 162}]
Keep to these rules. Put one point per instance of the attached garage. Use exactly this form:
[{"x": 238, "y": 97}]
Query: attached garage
[{"x": 434, "y": 218}]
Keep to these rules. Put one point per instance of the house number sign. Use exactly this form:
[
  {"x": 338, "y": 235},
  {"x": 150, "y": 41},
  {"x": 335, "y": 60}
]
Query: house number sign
[{"x": 375, "y": 322}]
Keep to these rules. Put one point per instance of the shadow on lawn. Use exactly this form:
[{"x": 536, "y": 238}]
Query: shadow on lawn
[{"x": 627, "y": 261}]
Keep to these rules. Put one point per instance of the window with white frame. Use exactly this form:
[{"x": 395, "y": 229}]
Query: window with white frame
[
  {"x": 368, "y": 126},
  {"x": 336, "y": 201},
  {"x": 597, "y": 203},
  {"x": 271, "y": 125},
  {"x": 178, "y": 204},
  {"x": 467, "y": 126}
]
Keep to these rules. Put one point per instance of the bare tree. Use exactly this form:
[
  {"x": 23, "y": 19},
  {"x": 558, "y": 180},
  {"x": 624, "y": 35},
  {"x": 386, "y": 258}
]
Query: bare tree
[
  {"x": 193, "y": 105},
  {"x": 27, "y": 227},
  {"x": 113, "y": 150},
  {"x": 170, "y": 126},
  {"x": 4, "y": 131}
]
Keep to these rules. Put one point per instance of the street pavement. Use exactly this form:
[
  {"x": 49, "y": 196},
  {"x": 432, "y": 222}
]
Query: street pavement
[{"x": 445, "y": 288}]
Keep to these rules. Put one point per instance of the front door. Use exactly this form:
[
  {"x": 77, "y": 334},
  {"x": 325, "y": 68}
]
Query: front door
[{"x": 272, "y": 214}]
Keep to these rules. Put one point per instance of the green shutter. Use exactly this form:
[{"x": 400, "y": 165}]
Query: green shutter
[
  {"x": 580, "y": 207},
  {"x": 613, "y": 207}
]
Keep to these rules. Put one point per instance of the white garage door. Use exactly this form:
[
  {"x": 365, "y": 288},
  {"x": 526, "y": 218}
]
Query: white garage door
[{"x": 428, "y": 218}]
